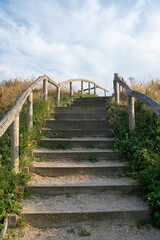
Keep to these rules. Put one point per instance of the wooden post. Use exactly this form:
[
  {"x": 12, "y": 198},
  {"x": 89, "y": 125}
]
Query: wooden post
[
  {"x": 15, "y": 144},
  {"x": 104, "y": 93},
  {"x": 82, "y": 87},
  {"x": 71, "y": 90},
  {"x": 58, "y": 95},
  {"x": 30, "y": 111},
  {"x": 94, "y": 89},
  {"x": 131, "y": 113},
  {"x": 45, "y": 89},
  {"x": 89, "y": 88},
  {"x": 116, "y": 91}
]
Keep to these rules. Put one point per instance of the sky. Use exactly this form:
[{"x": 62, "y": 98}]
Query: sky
[{"x": 90, "y": 39}]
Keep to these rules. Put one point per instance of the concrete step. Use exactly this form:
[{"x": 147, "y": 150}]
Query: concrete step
[
  {"x": 65, "y": 210},
  {"x": 89, "y": 143},
  {"x": 72, "y": 168},
  {"x": 81, "y": 184},
  {"x": 88, "y": 104},
  {"x": 88, "y": 99},
  {"x": 65, "y": 133},
  {"x": 78, "y": 154},
  {"x": 75, "y": 109},
  {"x": 76, "y": 124},
  {"x": 82, "y": 115}
]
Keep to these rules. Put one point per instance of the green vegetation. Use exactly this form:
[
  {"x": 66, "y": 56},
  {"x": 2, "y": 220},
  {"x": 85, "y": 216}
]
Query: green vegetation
[
  {"x": 90, "y": 146},
  {"x": 84, "y": 233},
  {"x": 142, "y": 147},
  {"x": 93, "y": 159}
]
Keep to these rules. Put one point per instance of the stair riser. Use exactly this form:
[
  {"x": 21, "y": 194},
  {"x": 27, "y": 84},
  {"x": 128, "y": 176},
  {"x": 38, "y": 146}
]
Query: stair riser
[
  {"x": 97, "y": 124},
  {"x": 78, "y": 144},
  {"x": 89, "y": 104},
  {"x": 61, "y": 116},
  {"x": 49, "y": 220},
  {"x": 64, "y": 171},
  {"x": 69, "y": 190},
  {"x": 78, "y": 109},
  {"x": 92, "y": 99},
  {"x": 77, "y": 133},
  {"x": 78, "y": 156}
]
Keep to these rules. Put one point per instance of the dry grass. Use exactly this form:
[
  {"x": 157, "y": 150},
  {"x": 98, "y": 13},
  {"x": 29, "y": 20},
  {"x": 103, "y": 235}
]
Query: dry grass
[
  {"x": 10, "y": 90},
  {"x": 152, "y": 89}
]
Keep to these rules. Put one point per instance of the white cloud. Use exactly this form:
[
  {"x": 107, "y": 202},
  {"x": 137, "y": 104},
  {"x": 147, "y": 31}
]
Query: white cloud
[{"x": 80, "y": 39}]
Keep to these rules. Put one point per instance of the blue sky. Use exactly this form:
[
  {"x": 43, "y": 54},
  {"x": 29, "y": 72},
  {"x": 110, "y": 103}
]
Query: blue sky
[{"x": 92, "y": 39}]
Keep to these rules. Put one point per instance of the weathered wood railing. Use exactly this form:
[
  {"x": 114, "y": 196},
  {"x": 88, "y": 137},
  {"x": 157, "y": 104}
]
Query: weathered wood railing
[
  {"x": 12, "y": 116},
  {"x": 119, "y": 85},
  {"x": 70, "y": 81}
]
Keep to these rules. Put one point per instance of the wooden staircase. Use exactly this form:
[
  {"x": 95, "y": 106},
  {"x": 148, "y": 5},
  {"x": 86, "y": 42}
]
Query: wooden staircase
[{"x": 78, "y": 176}]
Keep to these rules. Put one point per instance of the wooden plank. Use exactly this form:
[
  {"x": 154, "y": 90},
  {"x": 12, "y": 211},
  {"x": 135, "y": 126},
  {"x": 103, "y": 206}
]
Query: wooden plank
[
  {"x": 30, "y": 111},
  {"x": 58, "y": 95},
  {"x": 131, "y": 112},
  {"x": 71, "y": 89},
  {"x": 15, "y": 144},
  {"x": 45, "y": 89},
  {"x": 82, "y": 84}
]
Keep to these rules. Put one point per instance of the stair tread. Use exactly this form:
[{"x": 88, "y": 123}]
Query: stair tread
[
  {"x": 81, "y": 180},
  {"x": 69, "y": 163},
  {"x": 77, "y": 129},
  {"x": 84, "y": 139},
  {"x": 74, "y": 150},
  {"x": 83, "y": 202}
]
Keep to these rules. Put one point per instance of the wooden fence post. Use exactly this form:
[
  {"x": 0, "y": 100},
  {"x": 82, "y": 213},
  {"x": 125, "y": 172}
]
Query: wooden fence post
[
  {"x": 82, "y": 90},
  {"x": 71, "y": 89},
  {"x": 30, "y": 111},
  {"x": 45, "y": 89},
  {"x": 94, "y": 89},
  {"x": 15, "y": 144},
  {"x": 58, "y": 95},
  {"x": 89, "y": 88},
  {"x": 131, "y": 112},
  {"x": 116, "y": 91}
]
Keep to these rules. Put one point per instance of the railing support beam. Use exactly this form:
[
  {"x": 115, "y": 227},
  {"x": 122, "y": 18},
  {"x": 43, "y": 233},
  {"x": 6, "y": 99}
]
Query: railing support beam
[
  {"x": 89, "y": 88},
  {"x": 45, "y": 89},
  {"x": 15, "y": 144},
  {"x": 82, "y": 83},
  {"x": 58, "y": 95},
  {"x": 116, "y": 91},
  {"x": 71, "y": 89},
  {"x": 94, "y": 89},
  {"x": 131, "y": 112},
  {"x": 30, "y": 111}
]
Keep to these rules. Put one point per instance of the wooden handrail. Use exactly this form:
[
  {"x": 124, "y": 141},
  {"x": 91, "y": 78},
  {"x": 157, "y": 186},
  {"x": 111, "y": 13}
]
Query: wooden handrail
[
  {"x": 148, "y": 101},
  {"x": 84, "y": 80},
  {"x": 12, "y": 116}
]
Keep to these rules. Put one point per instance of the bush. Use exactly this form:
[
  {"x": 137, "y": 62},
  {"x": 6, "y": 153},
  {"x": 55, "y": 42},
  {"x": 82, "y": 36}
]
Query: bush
[{"x": 143, "y": 149}]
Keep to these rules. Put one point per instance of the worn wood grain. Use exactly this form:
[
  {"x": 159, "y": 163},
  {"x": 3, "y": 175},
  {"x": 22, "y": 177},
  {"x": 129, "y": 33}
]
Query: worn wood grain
[
  {"x": 30, "y": 111},
  {"x": 131, "y": 113},
  {"x": 15, "y": 144}
]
